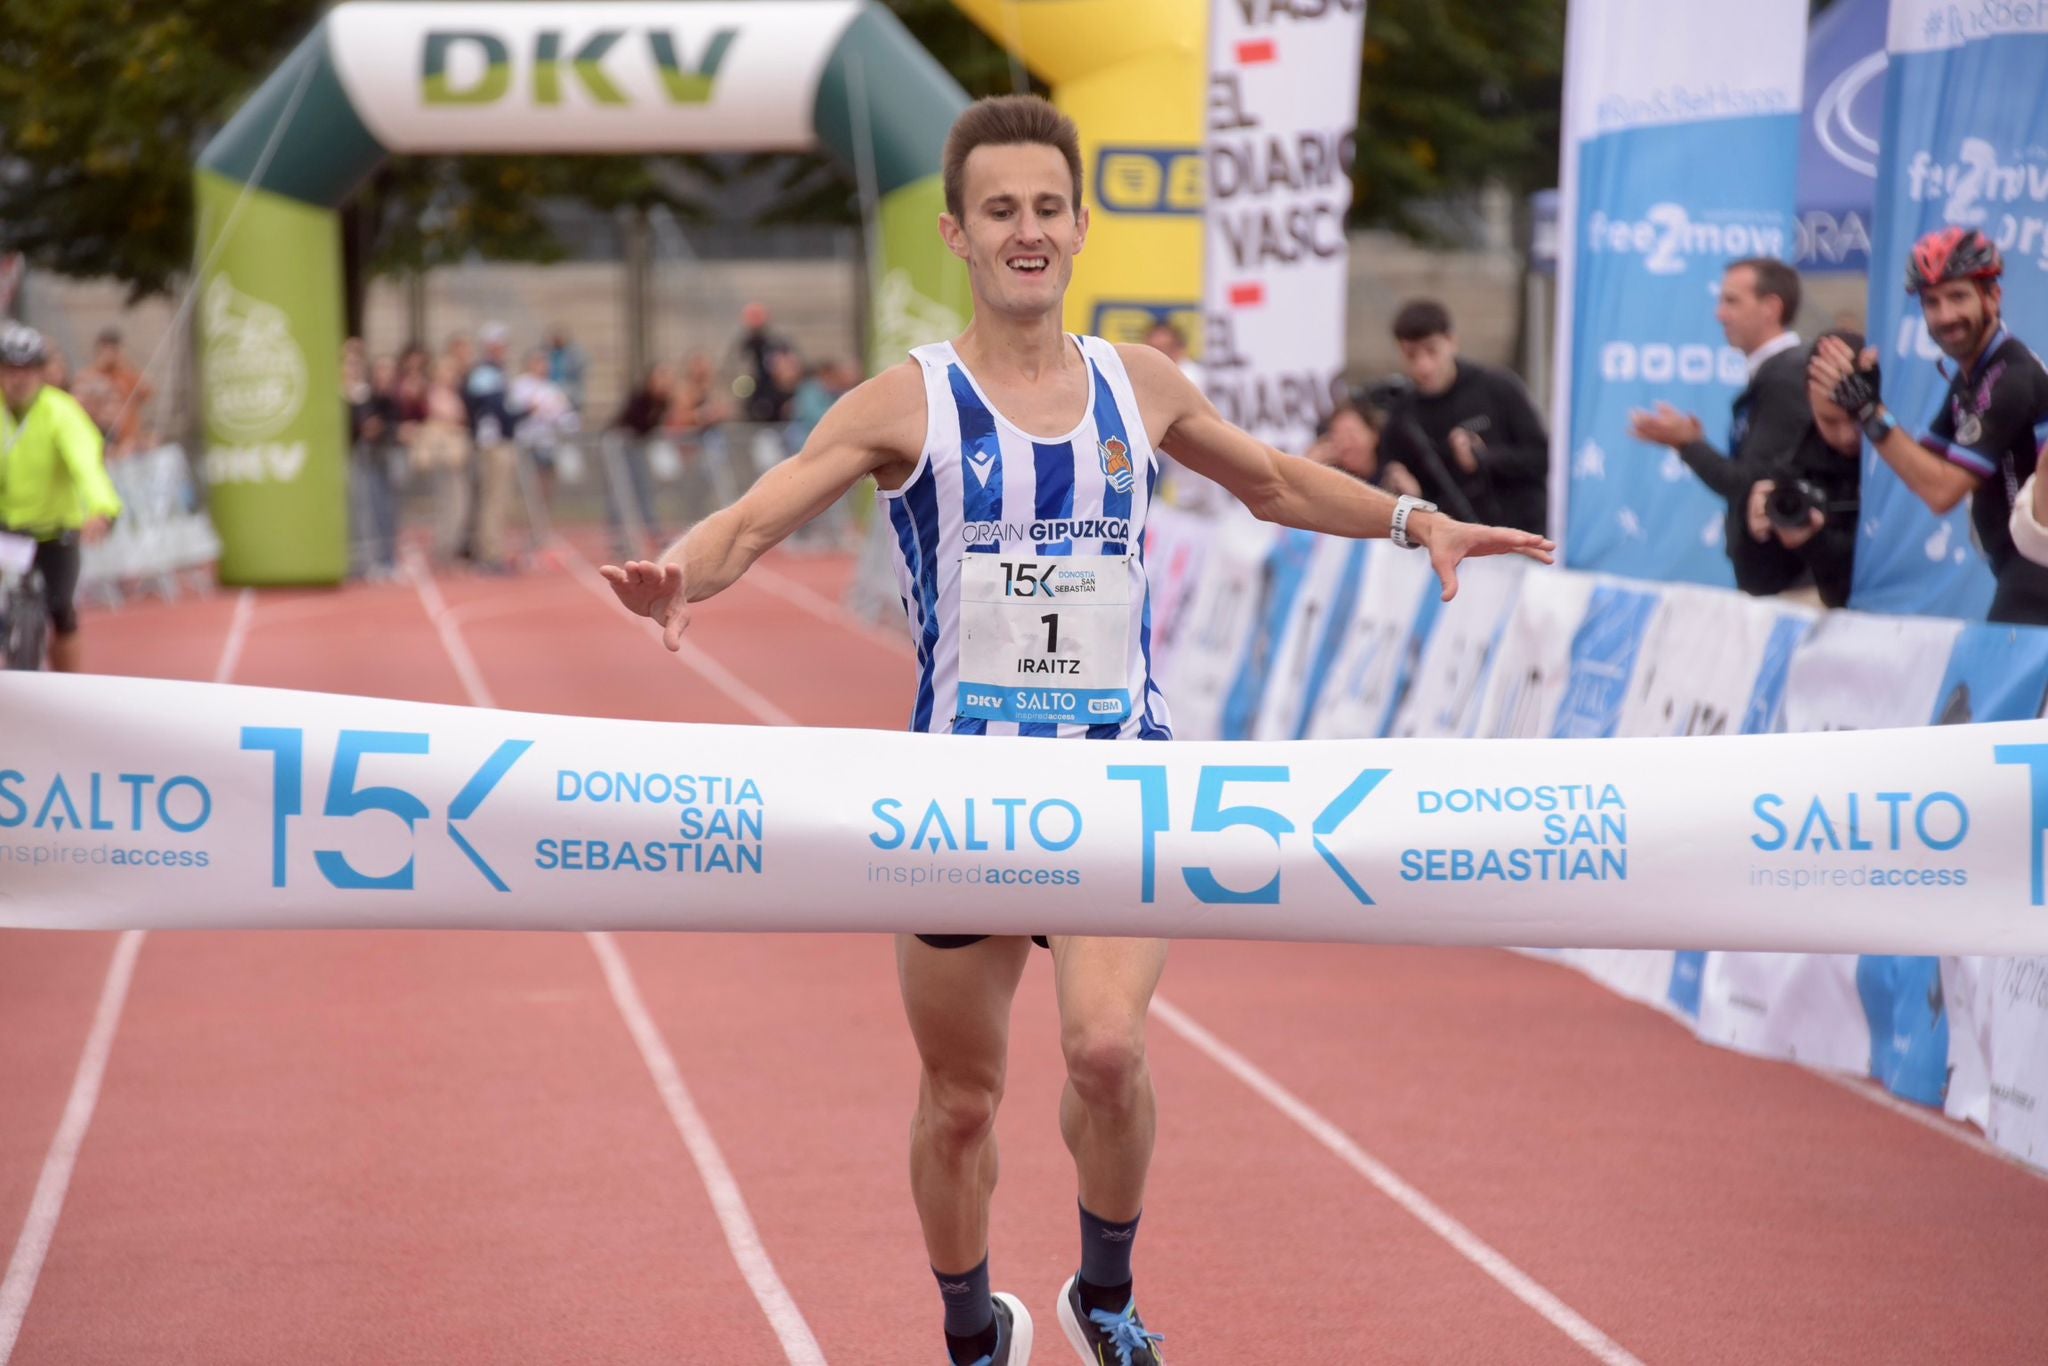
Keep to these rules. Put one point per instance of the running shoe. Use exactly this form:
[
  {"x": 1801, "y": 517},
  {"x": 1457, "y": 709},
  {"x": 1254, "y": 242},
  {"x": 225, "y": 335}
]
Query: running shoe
[
  {"x": 1013, "y": 1333},
  {"x": 1105, "y": 1339}
]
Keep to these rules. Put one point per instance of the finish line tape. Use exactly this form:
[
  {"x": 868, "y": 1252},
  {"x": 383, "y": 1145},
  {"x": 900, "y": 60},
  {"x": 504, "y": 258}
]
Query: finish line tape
[{"x": 137, "y": 803}]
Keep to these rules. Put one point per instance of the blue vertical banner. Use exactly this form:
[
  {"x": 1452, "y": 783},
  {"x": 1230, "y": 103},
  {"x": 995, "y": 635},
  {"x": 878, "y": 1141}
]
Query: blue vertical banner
[
  {"x": 1965, "y": 144},
  {"x": 1680, "y": 155}
]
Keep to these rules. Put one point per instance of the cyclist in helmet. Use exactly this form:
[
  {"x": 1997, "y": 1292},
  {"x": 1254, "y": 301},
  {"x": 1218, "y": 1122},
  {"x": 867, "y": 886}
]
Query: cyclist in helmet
[
  {"x": 53, "y": 479},
  {"x": 1983, "y": 442}
]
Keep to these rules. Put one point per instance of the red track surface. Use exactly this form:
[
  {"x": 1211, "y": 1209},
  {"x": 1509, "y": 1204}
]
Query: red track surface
[{"x": 446, "y": 1148}]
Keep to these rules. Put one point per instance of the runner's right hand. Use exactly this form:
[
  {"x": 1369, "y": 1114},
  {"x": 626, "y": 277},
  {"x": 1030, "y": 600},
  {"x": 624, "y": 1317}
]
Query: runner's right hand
[{"x": 656, "y": 591}]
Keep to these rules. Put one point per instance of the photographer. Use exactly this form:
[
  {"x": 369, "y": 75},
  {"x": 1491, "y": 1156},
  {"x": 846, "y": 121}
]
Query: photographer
[
  {"x": 1983, "y": 442},
  {"x": 1772, "y": 418},
  {"x": 1811, "y": 507},
  {"x": 1473, "y": 420},
  {"x": 1352, "y": 440}
]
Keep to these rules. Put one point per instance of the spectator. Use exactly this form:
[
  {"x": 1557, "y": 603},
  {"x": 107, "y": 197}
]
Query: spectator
[
  {"x": 1984, "y": 442},
  {"x": 440, "y": 450},
  {"x": 819, "y": 389},
  {"x": 1772, "y": 417},
  {"x": 566, "y": 366},
  {"x": 374, "y": 426},
  {"x": 1811, "y": 506},
  {"x": 546, "y": 419},
  {"x": 1178, "y": 485},
  {"x": 766, "y": 401},
  {"x": 114, "y": 392},
  {"x": 1475, "y": 421},
  {"x": 645, "y": 412},
  {"x": 1348, "y": 442},
  {"x": 786, "y": 375},
  {"x": 486, "y": 394}
]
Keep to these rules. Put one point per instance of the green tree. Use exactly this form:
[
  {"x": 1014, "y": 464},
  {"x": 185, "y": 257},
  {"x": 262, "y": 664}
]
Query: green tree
[
  {"x": 1456, "y": 94},
  {"x": 105, "y": 103}
]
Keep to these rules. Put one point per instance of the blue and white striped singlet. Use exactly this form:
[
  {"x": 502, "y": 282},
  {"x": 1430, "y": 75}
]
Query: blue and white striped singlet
[{"x": 984, "y": 486}]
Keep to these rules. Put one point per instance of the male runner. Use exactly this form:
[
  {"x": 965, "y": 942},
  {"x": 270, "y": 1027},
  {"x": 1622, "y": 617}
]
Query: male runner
[{"x": 972, "y": 442}]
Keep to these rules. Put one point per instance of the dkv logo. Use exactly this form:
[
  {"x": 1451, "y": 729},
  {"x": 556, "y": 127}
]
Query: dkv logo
[
  {"x": 472, "y": 67},
  {"x": 1668, "y": 237}
]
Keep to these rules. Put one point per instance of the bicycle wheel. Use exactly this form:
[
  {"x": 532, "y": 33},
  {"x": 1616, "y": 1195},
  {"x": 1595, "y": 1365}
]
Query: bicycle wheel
[{"x": 28, "y": 625}]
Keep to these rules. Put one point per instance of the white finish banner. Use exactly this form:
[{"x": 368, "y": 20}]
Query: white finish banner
[
  {"x": 1283, "y": 113},
  {"x": 144, "y": 803},
  {"x": 556, "y": 76}
]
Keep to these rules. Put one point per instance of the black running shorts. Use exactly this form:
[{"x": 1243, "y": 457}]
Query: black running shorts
[
  {"x": 961, "y": 941},
  {"x": 58, "y": 561}
]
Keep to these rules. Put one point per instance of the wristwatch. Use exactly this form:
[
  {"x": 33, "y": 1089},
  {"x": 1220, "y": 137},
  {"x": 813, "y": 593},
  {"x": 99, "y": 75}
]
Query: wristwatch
[
  {"x": 1405, "y": 507},
  {"x": 1879, "y": 425}
]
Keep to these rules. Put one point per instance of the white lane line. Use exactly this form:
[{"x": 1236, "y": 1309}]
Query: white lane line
[
  {"x": 25, "y": 1266},
  {"x": 238, "y": 636},
  {"x": 48, "y": 1202},
  {"x": 692, "y": 658},
  {"x": 451, "y": 635},
  {"x": 741, "y": 1237},
  {"x": 824, "y": 609},
  {"x": 1932, "y": 1120},
  {"x": 1512, "y": 1278},
  {"x": 740, "y": 1234}
]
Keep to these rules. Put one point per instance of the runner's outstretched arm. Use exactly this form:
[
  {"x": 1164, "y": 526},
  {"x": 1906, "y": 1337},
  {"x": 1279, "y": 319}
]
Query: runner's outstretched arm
[
  {"x": 1295, "y": 492},
  {"x": 875, "y": 426}
]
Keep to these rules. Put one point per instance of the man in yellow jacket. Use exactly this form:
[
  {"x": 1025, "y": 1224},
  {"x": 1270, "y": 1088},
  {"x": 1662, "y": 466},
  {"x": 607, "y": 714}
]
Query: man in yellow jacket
[{"x": 54, "y": 488}]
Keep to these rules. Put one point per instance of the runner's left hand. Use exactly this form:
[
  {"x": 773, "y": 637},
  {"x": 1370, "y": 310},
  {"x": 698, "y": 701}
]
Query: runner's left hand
[{"x": 1449, "y": 542}]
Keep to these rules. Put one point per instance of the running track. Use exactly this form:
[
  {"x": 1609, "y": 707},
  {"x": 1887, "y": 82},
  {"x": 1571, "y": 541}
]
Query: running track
[{"x": 509, "y": 1148}]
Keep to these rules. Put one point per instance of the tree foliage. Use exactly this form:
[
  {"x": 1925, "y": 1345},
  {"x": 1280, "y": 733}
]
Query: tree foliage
[
  {"x": 104, "y": 104},
  {"x": 1456, "y": 93}
]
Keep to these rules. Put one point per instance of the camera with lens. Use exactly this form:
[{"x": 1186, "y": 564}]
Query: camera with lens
[
  {"x": 1793, "y": 502},
  {"x": 1388, "y": 392}
]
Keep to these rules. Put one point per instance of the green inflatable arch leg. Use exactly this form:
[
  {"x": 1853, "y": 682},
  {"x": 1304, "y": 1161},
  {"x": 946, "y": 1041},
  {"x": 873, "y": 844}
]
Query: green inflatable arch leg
[{"x": 384, "y": 77}]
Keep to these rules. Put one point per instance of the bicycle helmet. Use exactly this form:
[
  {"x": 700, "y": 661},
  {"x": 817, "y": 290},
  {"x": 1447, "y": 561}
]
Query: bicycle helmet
[
  {"x": 1952, "y": 254},
  {"x": 22, "y": 346}
]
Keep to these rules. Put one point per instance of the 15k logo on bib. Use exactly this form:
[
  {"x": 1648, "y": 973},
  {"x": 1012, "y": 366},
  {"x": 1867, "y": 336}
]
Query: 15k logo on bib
[{"x": 1046, "y": 639}]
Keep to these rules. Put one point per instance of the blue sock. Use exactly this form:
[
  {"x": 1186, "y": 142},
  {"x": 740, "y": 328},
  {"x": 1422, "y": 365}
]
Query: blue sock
[
  {"x": 1106, "y": 1261},
  {"x": 970, "y": 1313}
]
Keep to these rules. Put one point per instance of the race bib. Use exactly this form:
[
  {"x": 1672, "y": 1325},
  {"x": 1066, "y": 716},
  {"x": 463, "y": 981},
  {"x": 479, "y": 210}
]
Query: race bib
[{"x": 1045, "y": 638}]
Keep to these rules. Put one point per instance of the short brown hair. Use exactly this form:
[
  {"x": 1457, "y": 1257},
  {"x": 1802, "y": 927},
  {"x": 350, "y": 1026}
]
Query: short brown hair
[
  {"x": 1008, "y": 121},
  {"x": 1774, "y": 280},
  {"x": 1421, "y": 319}
]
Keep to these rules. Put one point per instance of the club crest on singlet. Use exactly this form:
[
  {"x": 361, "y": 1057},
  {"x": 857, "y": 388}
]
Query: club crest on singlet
[{"x": 1116, "y": 464}]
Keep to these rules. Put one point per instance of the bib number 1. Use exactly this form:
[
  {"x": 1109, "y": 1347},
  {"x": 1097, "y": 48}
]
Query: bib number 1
[{"x": 1045, "y": 639}]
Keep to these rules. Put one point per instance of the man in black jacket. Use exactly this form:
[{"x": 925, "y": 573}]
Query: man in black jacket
[
  {"x": 1474, "y": 420},
  {"x": 1772, "y": 417}
]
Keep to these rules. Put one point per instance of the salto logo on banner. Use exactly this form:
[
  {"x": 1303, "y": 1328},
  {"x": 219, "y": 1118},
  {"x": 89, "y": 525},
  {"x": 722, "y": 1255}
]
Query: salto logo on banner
[
  {"x": 470, "y": 67},
  {"x": 1668, "y": 237},
  {"x": 2035, "y": 760}
]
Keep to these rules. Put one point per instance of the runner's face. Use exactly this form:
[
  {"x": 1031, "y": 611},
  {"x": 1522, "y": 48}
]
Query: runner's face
[
  {"x": 19, "y": 383},
  {"x": 1021, "y": 231},
  {"x": 1958, "y": 316}
]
